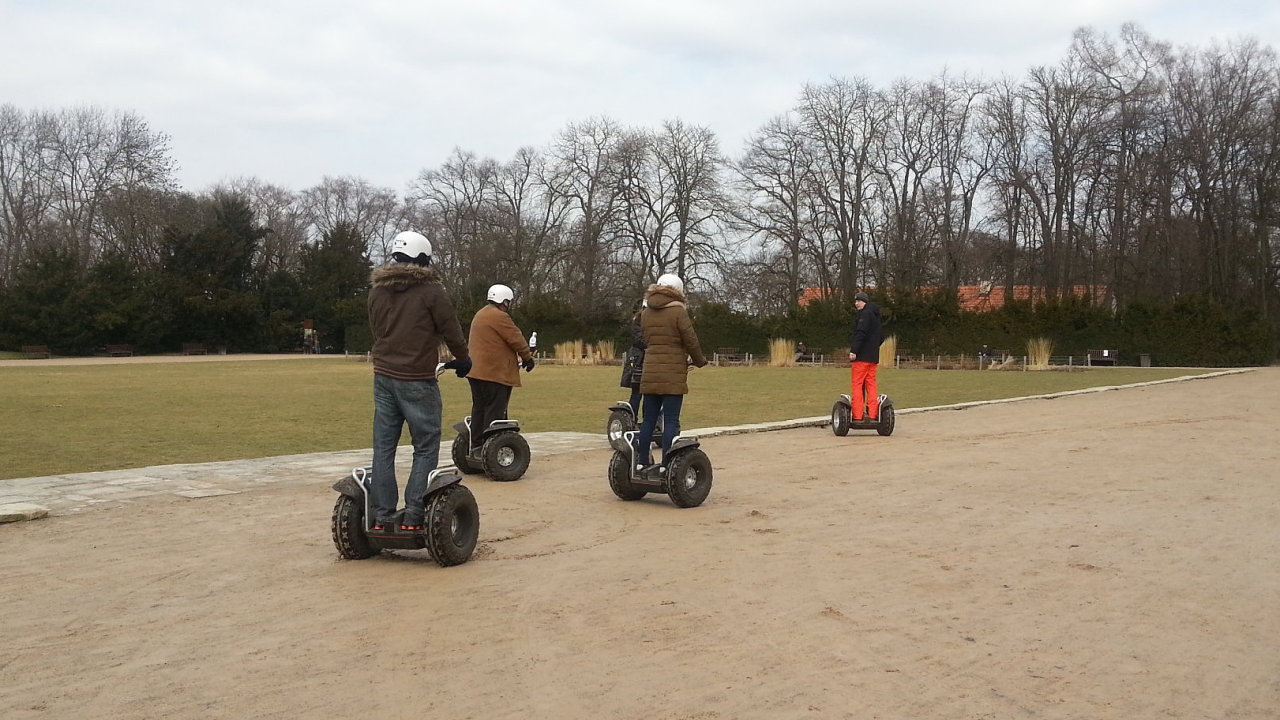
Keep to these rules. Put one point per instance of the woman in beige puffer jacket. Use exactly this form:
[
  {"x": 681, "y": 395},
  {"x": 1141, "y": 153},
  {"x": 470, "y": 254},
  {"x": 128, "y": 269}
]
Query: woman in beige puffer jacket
[{"x": 672, "y": 347}]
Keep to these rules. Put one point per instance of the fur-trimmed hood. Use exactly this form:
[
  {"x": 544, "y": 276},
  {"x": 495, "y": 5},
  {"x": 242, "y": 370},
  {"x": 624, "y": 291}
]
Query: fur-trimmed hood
[
  {"x": 404, "y": 275},
  {"x": 672, "y": 343},
  {"x": 660, "y": 296}
]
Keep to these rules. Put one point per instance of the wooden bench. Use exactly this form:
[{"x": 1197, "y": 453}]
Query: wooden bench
[
  {"x": 119, "y": 350},
  {"x": 1102, "y": 357},
  {"x": 728, "y": 356},
  {"x": 194, "y": 349},
  {"x": 35, "y": 352}
]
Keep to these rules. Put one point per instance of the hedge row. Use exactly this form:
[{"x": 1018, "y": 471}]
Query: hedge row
[{"x": 1193, "y": 331}]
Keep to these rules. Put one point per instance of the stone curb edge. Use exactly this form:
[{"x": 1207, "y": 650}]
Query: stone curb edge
[{"x": 826, "y": 419}]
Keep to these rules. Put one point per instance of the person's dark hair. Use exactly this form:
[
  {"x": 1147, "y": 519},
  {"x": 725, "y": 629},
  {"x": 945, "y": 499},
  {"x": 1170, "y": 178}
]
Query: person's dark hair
[{"x": 422, "y": 260}]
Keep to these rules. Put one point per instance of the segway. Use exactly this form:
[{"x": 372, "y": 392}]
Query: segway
[
  {"x": 449, "y": 531},
  {"x": 504, "y": 454},
  {"x": 687, "y": 480},
  {"x": 842, "y": 417},
  {"x": 622, "y": 419}
]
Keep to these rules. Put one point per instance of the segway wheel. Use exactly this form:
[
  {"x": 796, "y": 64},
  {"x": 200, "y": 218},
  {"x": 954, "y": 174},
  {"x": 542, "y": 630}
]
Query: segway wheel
[
  {"x": 506, "y": 456},
  {"x": 620, "y": 421},
  {"x": 886, "y": 421},
  {"x": 348, "y": 530},
  {"x": 620, "y": 477},
  {"x": 840, "y": 419},
  {"x": 452, "y": 525},
  {"x": 459, "y": 452},
  {"x": 689, "y": 478}
]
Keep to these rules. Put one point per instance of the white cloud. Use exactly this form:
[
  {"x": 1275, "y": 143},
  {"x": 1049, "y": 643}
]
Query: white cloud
[{"x": 292, "y": 90}]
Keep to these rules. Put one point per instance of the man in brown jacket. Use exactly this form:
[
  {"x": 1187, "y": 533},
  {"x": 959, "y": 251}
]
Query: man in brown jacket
[
  {"x": 672, "y": 346},
  {"x": 498, "y": 351},
  {"x": 409, "y": 315}
]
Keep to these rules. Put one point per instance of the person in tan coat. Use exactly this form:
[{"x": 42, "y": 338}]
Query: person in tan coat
[
  {"x": 498, "y": 351},
  {"x": 672, "y": 347}
]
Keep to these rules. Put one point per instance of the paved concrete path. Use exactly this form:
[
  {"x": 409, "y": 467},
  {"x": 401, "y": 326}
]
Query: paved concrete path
[{"x": 25, "y": 498}]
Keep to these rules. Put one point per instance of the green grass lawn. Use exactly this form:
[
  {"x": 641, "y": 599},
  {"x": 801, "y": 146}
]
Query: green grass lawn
[{"x": 62, "y": 419}]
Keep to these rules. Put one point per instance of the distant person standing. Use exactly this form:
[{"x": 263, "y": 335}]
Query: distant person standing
[
  {"x": 864, "y": 357},
  {"x": 308, "y": 336}
]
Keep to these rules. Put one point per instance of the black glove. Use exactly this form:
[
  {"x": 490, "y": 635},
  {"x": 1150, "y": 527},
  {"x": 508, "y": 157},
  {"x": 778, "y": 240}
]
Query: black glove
[
  {"x": 527, "y": 365},
  {"x": 461, "y": 367}
]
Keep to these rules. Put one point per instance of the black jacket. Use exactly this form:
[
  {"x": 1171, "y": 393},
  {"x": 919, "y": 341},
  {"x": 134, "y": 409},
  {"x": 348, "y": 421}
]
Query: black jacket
[
  {"x": 867, "y": 335},
  {"x": 633, "y": 365}
]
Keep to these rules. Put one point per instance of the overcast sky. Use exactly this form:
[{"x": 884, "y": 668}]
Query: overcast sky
[{"x": 290, "y": 91}]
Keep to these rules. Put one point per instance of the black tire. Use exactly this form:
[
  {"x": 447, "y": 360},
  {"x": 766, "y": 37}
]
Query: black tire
[
  {"x": 620, "y": 477},
  {"x": 348, "y": 530},
  {"x": 841, "y": 418},
  {"x": 689, "y": 478},
  {"x": 886, "y": 421},
  {"x": 620, "y": 421},
  {"x": 506, "y": 456},
  {"x": 459, "y": 452},
  {"x": 452, "y": 525}
]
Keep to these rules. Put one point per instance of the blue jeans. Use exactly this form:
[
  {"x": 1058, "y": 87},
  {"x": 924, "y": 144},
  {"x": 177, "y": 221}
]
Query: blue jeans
[
  {"x": 396, "y": 402},
  {"x": 634, "y": 402},
  {"x": 669, "y": 406}
]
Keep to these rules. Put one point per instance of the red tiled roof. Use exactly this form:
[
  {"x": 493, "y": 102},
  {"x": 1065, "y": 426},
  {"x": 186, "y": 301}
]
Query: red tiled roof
[
  {"x": 981, "y": 298},
  {"x": 808, "y": 295}
]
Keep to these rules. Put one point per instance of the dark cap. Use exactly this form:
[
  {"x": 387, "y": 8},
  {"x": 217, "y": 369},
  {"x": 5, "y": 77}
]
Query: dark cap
[{"x": 861, "y": 296}]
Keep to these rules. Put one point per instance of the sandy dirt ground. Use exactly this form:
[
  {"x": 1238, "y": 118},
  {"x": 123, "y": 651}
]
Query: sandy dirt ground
[{"x": 1114, "y": 555}]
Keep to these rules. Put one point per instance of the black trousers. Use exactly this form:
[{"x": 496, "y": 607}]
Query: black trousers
[{"x": 489, "y": 402}]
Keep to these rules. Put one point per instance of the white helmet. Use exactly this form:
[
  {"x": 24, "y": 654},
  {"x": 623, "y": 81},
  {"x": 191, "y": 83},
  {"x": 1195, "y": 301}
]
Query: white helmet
[
  {"x": 410, "y": 246},
  {"x": 672, "y": 280},
  {"x": 500, "y": 293}
]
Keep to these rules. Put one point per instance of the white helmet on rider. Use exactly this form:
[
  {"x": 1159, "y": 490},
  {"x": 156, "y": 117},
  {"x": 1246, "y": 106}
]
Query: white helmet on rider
[
  {"x": 672, "y": 280},
  {"x": 499, "y": 294},
  {"x": 410, "y": 246}
]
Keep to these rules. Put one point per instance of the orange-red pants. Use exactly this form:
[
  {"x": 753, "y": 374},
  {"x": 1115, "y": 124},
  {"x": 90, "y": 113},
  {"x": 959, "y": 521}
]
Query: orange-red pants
[{"x": 864, "y": 380}]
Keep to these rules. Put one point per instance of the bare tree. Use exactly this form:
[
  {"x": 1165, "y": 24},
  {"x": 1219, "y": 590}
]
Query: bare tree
[
  {"x": 842, "y": 121},
  {"x": 369, "y": 210},
  {"x": 773, "y": 181},
  {"x": 1222, "y": 105},
  {"x": 528, "y": 223},
  {"x": 670, "y": 198},
  {"x": 964, "y": 161},
  {"x": 59, "y": 169},
  {"x": 584, "y": 170},
  {"x": 454, "y": 204},
  {"x": 281, "y": 211}
]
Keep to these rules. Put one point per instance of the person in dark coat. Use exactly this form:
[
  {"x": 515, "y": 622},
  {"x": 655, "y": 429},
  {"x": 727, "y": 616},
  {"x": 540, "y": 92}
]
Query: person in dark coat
[
  {"x": 633, "y": 365},
  {"x": 409, "y": 316},
  {"x": 672, "y": 346},
  {"x": 864, "y": 357}
]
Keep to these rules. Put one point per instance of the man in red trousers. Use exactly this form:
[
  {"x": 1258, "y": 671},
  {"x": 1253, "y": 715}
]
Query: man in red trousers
[{"x": 864, "y": 357}]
